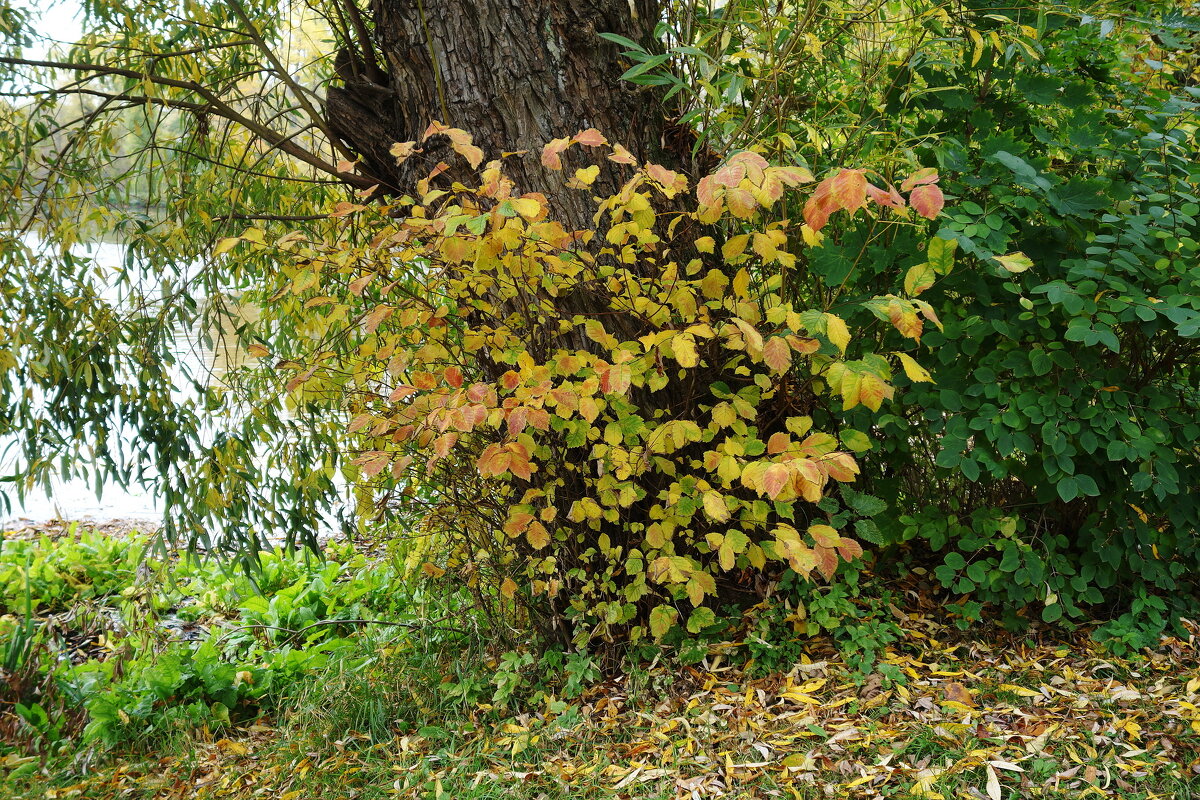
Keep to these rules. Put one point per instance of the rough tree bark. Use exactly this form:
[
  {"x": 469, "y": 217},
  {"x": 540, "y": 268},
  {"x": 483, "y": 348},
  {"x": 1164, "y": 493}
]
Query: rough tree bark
[{"x": 513, "y": 73}]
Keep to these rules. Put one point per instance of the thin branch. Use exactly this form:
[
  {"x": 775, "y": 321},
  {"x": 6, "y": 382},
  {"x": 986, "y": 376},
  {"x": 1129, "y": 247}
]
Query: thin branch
[{"x": 215, "y": 106}]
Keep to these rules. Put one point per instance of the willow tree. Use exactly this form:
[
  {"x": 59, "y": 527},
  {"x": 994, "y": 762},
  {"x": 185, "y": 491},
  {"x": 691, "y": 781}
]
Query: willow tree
[{"x": 170, "y": 125}]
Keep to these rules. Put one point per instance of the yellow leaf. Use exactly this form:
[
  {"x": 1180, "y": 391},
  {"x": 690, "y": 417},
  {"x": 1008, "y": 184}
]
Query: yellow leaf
[
  {"x": 683, "y": 345},
  {"x": 527, "y": 207},
  {"x": 915, "y": 372},
  {"x": 587, "y": 175},
  {"x": 741, "y": 284},
  {"x": 225, "y": 245},
  {"x": 1021, "y": 690},
  {"x": 508, "y": 588},
  {"x": 837, "y": 332},
  {"x": 918, "y": 279},
  {"x": 714, "y": 506},
  {"x": 1015, "y": 262},
  {"x": 705, "y": 244},
  {"x": 735, "y": 246},
  {"x": 714, "y": 283}
]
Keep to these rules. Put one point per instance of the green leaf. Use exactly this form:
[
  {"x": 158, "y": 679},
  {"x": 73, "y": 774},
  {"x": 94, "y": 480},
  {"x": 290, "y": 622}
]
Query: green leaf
[
  {"x": 940, "y": 254},
  {"x": 644, "y": 67},
  {"x": 616, "y": 38},
  {"x": 868, "y": 531},
  {"x": 700, "y": 619}
]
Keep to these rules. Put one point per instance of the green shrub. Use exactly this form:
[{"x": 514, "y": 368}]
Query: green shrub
[{"x": 1051, "y": 466}]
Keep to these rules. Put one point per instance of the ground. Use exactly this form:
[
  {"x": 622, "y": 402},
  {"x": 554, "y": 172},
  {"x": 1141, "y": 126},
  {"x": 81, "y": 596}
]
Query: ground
[{"x": 942, "y": 712}]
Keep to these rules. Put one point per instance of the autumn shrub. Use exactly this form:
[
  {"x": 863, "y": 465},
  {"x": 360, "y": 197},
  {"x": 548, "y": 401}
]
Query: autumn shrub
[{"x": 618, "y": 421}]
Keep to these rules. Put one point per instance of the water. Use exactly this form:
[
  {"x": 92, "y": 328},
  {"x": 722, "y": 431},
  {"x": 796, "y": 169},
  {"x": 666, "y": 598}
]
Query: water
[{"x": 76, "y": 499}]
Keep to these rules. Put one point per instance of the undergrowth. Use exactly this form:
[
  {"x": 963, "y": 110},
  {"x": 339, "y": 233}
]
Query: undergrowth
[{"x": 338, "y": 670}]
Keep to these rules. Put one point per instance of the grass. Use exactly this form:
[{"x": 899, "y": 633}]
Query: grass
[{"x": 364, "y": 712}]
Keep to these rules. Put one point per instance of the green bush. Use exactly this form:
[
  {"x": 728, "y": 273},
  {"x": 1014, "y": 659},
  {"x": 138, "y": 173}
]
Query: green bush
[{"x": 1052, "y": 466}]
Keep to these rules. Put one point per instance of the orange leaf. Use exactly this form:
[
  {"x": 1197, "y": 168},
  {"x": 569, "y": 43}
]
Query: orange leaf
[
  {"x": 777, "y": 354},
  {"x": 537, "y": 535},
  {"x": 927, "y": 200},
  {"x": 918, "y": 178},
  {"x": 824, "y": 535},
  {"x": 775, "y": 479},
  {"x": 591, "y": 137},
  {"x": 840, "y": 466},
  {"x": 827, "y": 561},
  {"x": 519, "y": 461},
  {"x": 849, "y": 189},
  {"x": 819, "y": 206},
  {"x": 550, "y": 153},
  {"x": 741, "y": 202},
  {"x": 517, "y": 523},
  {"x": 778, "y": 443},
  {"x": 849, "y": 549},
  {"x": 622, "y": 156},
  {"x": 889, "y": 199}
]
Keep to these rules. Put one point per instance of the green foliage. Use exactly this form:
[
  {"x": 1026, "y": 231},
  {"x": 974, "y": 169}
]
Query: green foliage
[
  {"x": 59, "y": 575},
  {"x": 202, "y": 646},
  {"x": 731, "y": 376},
  {"x": 126, "y": 370},
  {"x": 858, "y": 618},
  {"x": 1050, "y": 464}
]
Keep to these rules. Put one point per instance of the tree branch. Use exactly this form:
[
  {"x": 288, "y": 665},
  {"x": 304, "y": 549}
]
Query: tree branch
[{"x": 215, "y": 105}]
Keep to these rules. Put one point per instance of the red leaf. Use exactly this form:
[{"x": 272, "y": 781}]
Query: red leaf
[
  {"x": 819, "y": 206},
  {"x": 849, "y": 189},
  {"x": 888, "y": 199},
  {"x": 826, "y": 561},
  {"x": 928, "y": 200}
]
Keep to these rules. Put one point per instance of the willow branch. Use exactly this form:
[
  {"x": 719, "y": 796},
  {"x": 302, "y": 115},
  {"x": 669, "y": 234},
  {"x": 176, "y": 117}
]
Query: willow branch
[{"x": 214, "y": 105}]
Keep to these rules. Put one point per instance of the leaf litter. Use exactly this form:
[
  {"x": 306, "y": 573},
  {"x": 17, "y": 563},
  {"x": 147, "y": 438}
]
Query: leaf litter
[{"x": 962, "y": 718}]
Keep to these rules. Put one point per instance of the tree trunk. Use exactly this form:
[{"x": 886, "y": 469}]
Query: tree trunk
[{"x": 512, "y": 73}]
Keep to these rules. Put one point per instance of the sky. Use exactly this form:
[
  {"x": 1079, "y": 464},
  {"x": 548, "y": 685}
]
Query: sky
[{"x": 59, "y": 19}]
